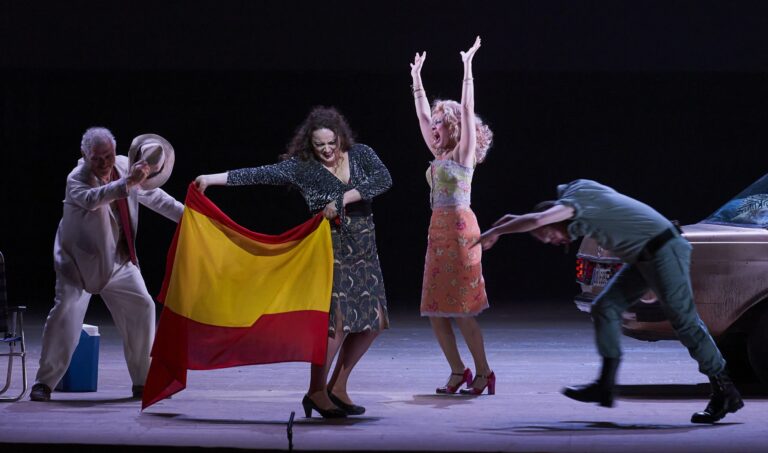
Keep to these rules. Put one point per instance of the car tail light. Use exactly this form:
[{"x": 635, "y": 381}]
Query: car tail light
[{"x": 584, "y": 269}]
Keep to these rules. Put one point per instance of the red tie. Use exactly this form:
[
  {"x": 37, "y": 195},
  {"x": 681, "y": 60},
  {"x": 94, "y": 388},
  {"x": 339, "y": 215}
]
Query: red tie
[{"x": 125, "y": 221}]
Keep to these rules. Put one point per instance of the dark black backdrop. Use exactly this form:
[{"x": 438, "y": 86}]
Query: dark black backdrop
[{"x": 664, "y": 101}]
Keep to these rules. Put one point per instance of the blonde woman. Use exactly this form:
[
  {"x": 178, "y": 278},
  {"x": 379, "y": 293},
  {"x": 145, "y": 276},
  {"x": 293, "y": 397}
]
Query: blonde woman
[{"x": 453, "y": 286}]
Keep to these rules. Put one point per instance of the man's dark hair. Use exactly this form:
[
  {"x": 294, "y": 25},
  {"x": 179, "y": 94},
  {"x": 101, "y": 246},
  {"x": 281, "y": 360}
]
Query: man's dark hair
[{"x": 543, "y": 206}]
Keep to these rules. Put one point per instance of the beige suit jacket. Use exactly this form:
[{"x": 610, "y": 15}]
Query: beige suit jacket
[{"x": 86, "y": 240}]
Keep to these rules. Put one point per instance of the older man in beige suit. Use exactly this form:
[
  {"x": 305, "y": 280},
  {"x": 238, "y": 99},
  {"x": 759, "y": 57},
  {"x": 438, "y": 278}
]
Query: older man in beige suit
[{"x": 94, "y": 252}]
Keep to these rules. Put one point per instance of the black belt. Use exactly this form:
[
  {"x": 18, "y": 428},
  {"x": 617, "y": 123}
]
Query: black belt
[
  {"x": 360, "y": 208},
  {"x": 656, "y": 242}
]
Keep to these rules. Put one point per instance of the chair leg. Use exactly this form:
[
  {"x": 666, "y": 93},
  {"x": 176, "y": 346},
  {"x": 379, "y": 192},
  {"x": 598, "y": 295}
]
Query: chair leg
[
  {"x": 8, "y": 374},
  {"x": 17, "y": 323},
  {"x": 23, "y": 347}
]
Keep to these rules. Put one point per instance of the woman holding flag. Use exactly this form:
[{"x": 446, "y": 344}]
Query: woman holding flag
[{"x": 337, "y": 178}]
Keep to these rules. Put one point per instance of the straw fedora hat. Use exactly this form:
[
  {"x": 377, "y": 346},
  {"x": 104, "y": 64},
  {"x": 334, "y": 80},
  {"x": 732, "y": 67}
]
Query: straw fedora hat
[{"x": 158, "y": 153}]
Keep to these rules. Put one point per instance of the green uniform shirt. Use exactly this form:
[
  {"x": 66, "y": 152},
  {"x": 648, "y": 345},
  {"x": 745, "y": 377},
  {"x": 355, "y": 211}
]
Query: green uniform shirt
[{"x": 617, "y": 222}]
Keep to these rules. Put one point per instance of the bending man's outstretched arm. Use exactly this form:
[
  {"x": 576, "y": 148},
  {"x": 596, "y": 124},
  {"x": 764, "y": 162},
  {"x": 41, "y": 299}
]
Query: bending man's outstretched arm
[{"x": 511, "y": 223}]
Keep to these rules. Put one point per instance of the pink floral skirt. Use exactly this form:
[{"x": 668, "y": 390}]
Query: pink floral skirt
[{"x": 453, "y": 282}]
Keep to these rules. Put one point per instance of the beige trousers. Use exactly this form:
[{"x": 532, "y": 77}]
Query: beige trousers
[{"x": 132, "y": 309}]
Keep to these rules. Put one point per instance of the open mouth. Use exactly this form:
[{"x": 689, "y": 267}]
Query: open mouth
[
  {"x": 327, "y": 155},
  {"x": 435, "y": 137}
]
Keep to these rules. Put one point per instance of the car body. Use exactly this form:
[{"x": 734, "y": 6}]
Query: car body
[{"x": 729, "y": 277}]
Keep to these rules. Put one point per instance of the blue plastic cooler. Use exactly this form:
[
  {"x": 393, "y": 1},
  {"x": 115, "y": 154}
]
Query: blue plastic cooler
[{"x": 83, "y": 372}]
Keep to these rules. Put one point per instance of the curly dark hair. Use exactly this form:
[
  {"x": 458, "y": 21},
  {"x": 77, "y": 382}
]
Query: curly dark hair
[{"x": 319, "y": 118}]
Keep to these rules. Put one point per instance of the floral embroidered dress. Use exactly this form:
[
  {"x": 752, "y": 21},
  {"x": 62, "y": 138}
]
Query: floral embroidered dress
[{"x": 453, "y": 282}]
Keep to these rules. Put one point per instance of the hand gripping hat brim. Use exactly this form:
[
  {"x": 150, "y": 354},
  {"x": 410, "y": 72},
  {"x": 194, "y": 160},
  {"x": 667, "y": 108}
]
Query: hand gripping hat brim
[{"x": 158, "y": 153}]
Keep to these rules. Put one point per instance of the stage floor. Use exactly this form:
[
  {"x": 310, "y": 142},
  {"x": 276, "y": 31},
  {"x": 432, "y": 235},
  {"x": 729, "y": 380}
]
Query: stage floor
[{"x": 535, "y": 349}]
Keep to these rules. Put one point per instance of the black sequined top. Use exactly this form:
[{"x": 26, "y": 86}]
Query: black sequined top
[{"x": 319, "y": 187}]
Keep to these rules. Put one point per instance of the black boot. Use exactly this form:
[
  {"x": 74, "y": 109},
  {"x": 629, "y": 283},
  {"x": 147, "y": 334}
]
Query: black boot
[
  {"x": 724, "y": 399},
  {"x": 601, "y": 391}
]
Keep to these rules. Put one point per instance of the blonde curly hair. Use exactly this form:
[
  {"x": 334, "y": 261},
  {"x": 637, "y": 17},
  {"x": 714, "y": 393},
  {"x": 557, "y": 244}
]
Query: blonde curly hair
[{"x": 451, "y": 111}]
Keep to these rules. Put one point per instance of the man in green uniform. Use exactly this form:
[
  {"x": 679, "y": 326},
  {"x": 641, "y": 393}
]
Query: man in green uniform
[{"x": 655, "y": 257}]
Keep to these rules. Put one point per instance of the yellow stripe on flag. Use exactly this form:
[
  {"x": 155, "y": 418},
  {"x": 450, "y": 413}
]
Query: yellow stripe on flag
[{"x": 226, "y": 279}]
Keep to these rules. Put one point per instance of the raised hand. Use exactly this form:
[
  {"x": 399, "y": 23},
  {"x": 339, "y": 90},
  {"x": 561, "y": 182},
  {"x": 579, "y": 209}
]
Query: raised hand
[
  {"x": 418, "y": 62},
  {"x": 138, "y": 173},
  {"x": 466, "y": 57}
]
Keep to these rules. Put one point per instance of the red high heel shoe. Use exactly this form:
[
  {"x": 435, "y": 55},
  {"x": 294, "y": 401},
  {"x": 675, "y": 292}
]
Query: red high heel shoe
[
  {"x": 466, "y": 378},
  {"x": 490, "y": 383}
]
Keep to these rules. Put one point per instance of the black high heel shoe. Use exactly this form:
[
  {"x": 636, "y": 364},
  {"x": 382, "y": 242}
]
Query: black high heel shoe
[
  {"x": 308, "y": 405},
  {"x": 350, "y": 409}
]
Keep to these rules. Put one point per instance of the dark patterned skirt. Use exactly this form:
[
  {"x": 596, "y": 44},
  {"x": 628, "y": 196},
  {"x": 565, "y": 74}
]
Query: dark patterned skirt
[{"x": 358, "y": 296}]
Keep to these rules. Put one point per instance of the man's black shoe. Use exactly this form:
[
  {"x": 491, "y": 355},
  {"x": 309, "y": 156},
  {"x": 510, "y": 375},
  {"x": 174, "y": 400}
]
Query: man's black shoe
[
  {"x": 138, "y": 391},
  {"x": 591, "y": 393},
  {"x": 40, "y": 392},
  {"x": 602, "y": 390},
  {"x": 724, "y": 399}
]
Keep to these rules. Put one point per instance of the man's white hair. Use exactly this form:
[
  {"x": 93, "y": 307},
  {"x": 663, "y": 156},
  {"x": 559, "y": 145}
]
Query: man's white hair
[{"x": 96, "y": 136}]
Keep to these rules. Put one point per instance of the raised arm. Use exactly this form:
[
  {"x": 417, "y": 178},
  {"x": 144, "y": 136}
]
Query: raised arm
[
  {"x": 88, "y": 197},
  {"x": 468, "y": 140},
  {"x": 423, "y": 112}
]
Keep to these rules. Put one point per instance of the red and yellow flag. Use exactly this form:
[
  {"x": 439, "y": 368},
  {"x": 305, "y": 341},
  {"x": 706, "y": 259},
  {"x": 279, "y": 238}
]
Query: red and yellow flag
[{"x": 235, "y": 297}]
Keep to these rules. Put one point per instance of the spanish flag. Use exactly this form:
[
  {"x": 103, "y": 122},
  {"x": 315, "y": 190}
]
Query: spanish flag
[{"x": 235, "y": 297}]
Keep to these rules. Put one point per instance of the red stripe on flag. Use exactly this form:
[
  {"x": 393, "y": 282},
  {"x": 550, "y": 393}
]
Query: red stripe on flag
[
  {"x": 169, "y": 260},
  {"x": 182, "y": 344},
  {"x": 200, "y": 203}
]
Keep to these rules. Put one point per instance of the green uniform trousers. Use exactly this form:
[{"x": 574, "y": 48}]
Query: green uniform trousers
[{"x": 667, "y": 273}]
